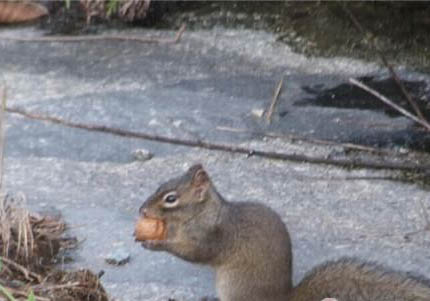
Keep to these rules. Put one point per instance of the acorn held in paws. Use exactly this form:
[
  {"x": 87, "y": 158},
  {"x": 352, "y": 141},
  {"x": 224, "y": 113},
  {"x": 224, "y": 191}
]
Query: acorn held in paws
[{"x": 149, "y": 229}]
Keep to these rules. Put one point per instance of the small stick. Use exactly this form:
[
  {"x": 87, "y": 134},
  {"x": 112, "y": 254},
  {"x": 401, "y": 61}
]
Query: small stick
[
  {"x": 40, "y": 287},
  {"x": 274, "y": 101},
  {"x": 174, "y": 40},
  {"x": 179, "y": 33},
  {"x": 310, "y": 140},
  {"x": 24, "y": 271},
  {"x": 353, "y": 178},
  {"x": 385, "y": 100}
]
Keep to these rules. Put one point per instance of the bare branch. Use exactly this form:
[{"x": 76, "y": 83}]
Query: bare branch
[
  {"x": 154, "y": 40},
  {"x": 385, "y": 100},
  {"x": 385, "y": 62},
  {"x": 291, "y": 137},
  {"x": 224, "y": 147}
]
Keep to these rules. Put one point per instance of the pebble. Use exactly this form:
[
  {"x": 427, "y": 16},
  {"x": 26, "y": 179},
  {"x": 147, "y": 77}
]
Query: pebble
[
  {"x": 257, "y": 112},
  {"x": 118, "y": 257},
  {"x": 142, "y": 154}
]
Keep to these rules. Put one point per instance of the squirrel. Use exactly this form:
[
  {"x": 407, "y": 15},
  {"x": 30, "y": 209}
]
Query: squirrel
[{"x": 249, "y": 247}]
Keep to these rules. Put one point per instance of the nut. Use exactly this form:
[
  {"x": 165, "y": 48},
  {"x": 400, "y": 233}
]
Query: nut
[{"x": 149, "y": 229}]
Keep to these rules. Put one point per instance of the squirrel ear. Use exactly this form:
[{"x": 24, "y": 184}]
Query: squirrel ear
[
  {"x": 200, "y": 184},
  {"x": 200, "y": 177}
]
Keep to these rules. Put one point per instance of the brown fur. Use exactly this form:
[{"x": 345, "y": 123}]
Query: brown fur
[
  {"x": 249, "y": 247},
  {"x": 246, "y": 243},
  {"x": 350, "y": 279}
]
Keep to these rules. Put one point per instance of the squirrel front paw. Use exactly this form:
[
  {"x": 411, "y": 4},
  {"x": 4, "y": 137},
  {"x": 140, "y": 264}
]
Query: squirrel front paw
[
  {"x": 209, "y": 298},
  {"x": 154, "y": 245}
]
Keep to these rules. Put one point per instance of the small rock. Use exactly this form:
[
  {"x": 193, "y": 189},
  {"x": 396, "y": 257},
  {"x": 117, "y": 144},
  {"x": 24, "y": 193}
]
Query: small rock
[
  {"x": 142, "y": 154},
  {"x": 118, "y": 257},
  {"x": 177, "y": 123},
  {"x": 403, "y": 150},
  {"x": 154, "y": 122},
  {"x": 257, "y": 112}
]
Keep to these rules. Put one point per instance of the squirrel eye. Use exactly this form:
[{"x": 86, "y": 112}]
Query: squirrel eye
[{"x": 170, "y": 199}]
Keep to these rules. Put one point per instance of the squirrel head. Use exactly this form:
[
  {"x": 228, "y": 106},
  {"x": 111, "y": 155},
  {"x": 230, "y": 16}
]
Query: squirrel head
[{"x": 180, "y": 197}]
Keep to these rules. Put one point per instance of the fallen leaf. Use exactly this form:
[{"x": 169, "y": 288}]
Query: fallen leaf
[{"x": 18, "y": 12}]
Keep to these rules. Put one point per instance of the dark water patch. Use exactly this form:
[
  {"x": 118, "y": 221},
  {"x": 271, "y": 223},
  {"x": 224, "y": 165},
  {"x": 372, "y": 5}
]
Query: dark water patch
[
  {"x": 347, "y": 96},
  {"x": 346, "y": 113}
]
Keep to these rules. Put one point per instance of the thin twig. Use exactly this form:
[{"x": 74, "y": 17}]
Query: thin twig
[
  {"x": 385, "y": 100},
  {"x": 41, "y": 287},
  {"x": 224, "y": 147},
  {"x": 23, "y": 270},
  {"x": 155, "y": 40},
  {"x": 275, "y": 98},
  {"x": 309, "y": 140},
  {"x": 385, "y": 62},
  {"x": 354, "y": 178}
]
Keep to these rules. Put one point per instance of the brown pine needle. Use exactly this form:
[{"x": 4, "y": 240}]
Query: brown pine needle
[{"x": 274, "y": 101}]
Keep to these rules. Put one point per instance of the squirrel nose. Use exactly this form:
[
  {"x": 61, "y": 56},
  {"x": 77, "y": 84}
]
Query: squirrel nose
[{"x": 143, "y": 211}]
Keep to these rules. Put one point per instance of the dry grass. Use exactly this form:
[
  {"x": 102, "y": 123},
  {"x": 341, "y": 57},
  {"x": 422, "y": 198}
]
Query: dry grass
[{"x": 29, "y": 245}]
